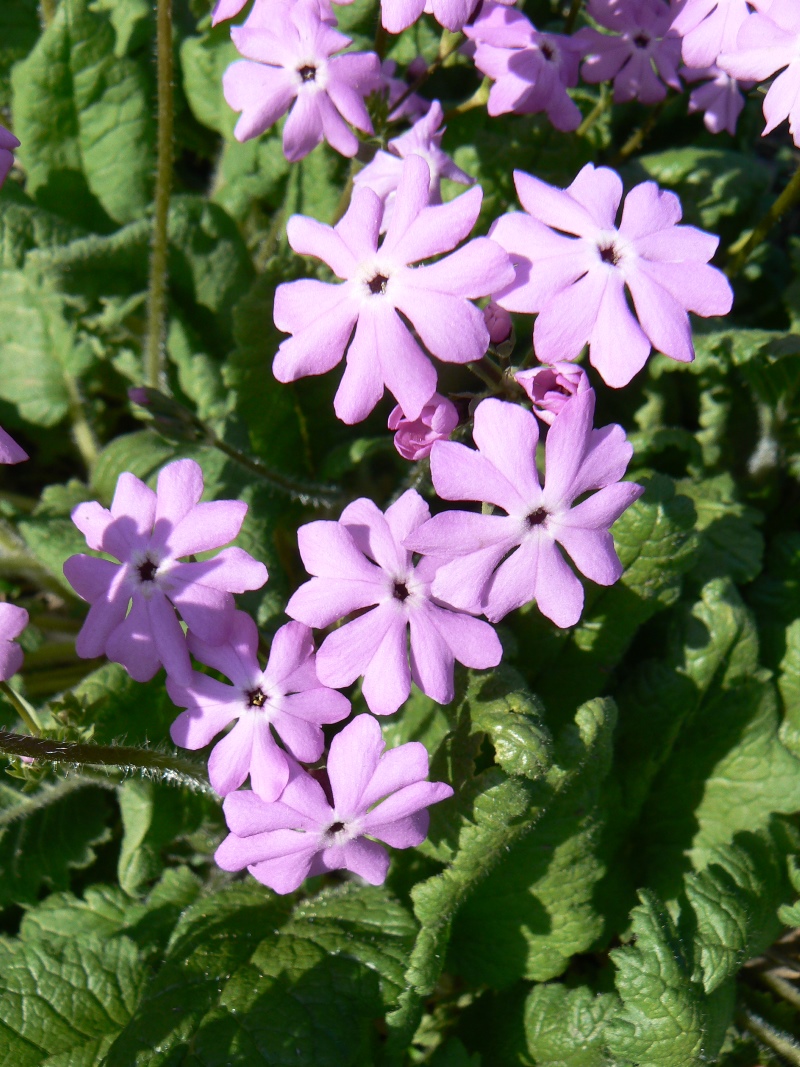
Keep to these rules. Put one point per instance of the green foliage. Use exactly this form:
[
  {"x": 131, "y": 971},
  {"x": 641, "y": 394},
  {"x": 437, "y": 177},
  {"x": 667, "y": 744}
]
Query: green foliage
[{"x": 566, "y": 1027}]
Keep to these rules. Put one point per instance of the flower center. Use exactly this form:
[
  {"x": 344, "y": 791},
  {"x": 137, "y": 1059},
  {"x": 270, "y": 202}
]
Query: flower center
[
  {"x": 336, "y": 828},
  {"x": 147, "y": 570},
  {"x": 610, "y": 255},
  {"x": 256, "y": 698},
  {"x": 548, "y": 52},
  {"x": 536, "y": 518},
  {"x": 307, "y": 73},
  {"x": 400, "y": 590},
  {"x": 641, "y": 40},
  {"x": 378, "y": 284}
]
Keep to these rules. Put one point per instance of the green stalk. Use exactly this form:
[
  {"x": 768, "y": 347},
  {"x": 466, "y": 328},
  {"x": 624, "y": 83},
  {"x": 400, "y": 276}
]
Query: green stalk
[
  {"x": 25, "y": 710},
  {"x": 739, "y": 252},
  {"x": 773, "y": 1039},
  {"x": 572, "y": 17},
  {"x": 82, "y": 432},
  {"x": 445, "y": 51},
  {"x": 157, "y": 300},
  {"x": 124, "y": 757},
  {"x": 47, "y": 11}
]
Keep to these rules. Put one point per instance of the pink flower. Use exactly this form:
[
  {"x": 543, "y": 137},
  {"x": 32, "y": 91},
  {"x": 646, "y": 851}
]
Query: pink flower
[
  {"x": 373, "y": 794},
  {"x": 226, "y": 9},
  {"x": 286, "y": 697},
  {"x": 577, "y": 284},
  {"x": 398, "y": 15},
  {"x": 709, "y": 27},
  {"x": 414, "y": 437},
  {"x": 481, "y": 575},
  {"x": 379, "y": 283},
  {"x": 766, "y": 43},
  {"x": 10, "y": 451},
  {"x": 640, "y": 54},
  {"x": 413, "y": 105},
  {"x": 13, "y": 621},
  {"x": 498, "y": 323},
  {"x": 8, "y": 142},
  {"x": 424, "y": 139},
  {"x": 531, "y": 70},
  {"x": 360, "y": 562},
  {"x": 290, "y": 63},
  {"x": 148, "y": 533},
  {"x": 550, "y": 387},
  {"x": 719, "y": 98}
]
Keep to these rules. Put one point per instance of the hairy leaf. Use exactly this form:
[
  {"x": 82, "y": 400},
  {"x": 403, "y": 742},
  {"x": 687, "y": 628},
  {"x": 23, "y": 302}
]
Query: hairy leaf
[{"x": 566, "y": 1027}]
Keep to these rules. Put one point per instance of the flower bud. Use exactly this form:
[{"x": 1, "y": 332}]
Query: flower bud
[
  {"x": 551, "y": 386},
  {"x": 414, "y": 439},
  {"x": 498, "y": 323}
]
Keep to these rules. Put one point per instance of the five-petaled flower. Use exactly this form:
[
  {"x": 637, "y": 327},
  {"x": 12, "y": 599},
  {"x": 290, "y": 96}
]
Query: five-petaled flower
[
  {"x": 577, "y": 284},
  {"x": 148, "y": 533},
  {"x": 500, "y": 562},
  {"x": 360, "y": 562},
  {"x": 13, "y": 621},
  {"x": 379, "y": 283},
  {"x": 373, "y": 794},
  {"x": 286, "y": 697}
]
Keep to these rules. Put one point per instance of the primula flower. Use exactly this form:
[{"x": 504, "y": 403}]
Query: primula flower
[
  {"x": 290, "y": 63},
  {"x": 639, "y": 55},
  {"x": 360, "y": 562},
  {"x": 13, "y": 621},
  {"x": 708, "y": 27},
  {"x": 767, "y": 42},
  {"x": 8, "y": 142},
  {"x": 481, "y": 575},
  {"x": 577, "y": 284},
  {"x": 10, "y": 451},
  {"x": 550, "y": 387},
  {"x": 398, "y": 15},
  {"x": 149, "y": 533},
  {"x": 414, "y": 438},
  {"x": 379, "y": 282},
  {"x": 531, "y": 70},
  {"x": 498, "y": 323},
  {"x": 424, "y": 139},
  {"x": 395, "y": 88},
  {"x": 373, "y": 794},
  {"x": 719, "y": 98},
  {"x": 286, "y": 697}
]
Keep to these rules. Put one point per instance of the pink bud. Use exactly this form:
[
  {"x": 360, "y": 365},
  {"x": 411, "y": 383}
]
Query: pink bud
[
  {"x": 498, "y": 323},
  {"x": 551, "y": 386},
  {"x": 414, "y": 438},
  {"x": 140, "y": 395}
]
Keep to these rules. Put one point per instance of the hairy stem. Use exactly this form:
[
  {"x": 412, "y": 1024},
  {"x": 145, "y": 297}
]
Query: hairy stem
[
  {"x": 82, "y": 432},
  {"x": 739, "y": 252},
  {"x": 125, "y": 757},
  {"x": 306, "y": 493},
  {"x": 778, "y": 1042},
  {"x": 157, "y": 300},
  {"x": 596, "y": 113},
  {"x": 638, "y": 137},
  {"x": 25, "y": 711}
]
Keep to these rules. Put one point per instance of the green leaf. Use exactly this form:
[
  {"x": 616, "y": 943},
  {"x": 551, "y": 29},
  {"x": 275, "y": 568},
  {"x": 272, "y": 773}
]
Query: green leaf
[
  {"x": 58, "y": 997},
  {"x": 734, "y": 900},
  {"x": 537, "y": 907},
  {"x": 730, "y": 544},
  {"x": 566, "y": 1027},
  {"x": 25, "y": 226},
  {"x": 143, "y": 453},
  {"x": 35, "y": 335},
  {"x": 775, "y": 596},
  {"x": 665, "y": 1020},
  {"x": 789, "y": 685},
  {"x": 656, "y": 544},
  {"x": 19, "y": 29},
  {"x": 79, "y": 108},
  {"x": 47, "y": 834},
  {"x": 246, "y": 981},
  {"x": 118, "y": 709},
  {"x": 156, "y": 818}
]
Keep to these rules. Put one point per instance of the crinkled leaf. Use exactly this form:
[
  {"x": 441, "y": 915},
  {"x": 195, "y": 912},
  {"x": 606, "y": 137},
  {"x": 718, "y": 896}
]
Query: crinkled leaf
[
  {"x": 730, "y": 543},
  {"x": 789, "y": 685},
  {"x": 566, "y": 1027}
]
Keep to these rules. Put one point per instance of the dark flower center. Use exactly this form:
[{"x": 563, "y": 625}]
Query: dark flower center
[
  {"x": 610, "y": 255},
  {"x": 400, "y": 590},
  {"x": 256, "y": 698},
  {"x": 556, "y": 388},
  {"x": 378, "y": 284},
  {"x": 336, "y": 828},
  {"x": 536, "y": 518},
  {"x": 147, "y": 570},
  {"x": 308, "y": 74},
  {"x": 641, "y": 40},
  {"x": 548, "y": 52}
]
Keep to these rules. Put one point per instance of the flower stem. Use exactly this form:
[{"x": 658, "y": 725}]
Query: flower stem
[
  {"x": 306, "y": 493},
  {"x": 25, "y": 711},
  {"x": 82, "y": 432},
  {"x": 596, "y": 113},
  {"x": 157, "y": 301},
  {"x": 445, "y": 51},
  {"x": 572, "y": 17},
  {"x": 739, "y": 252},
  {"x": 125, "y": 757},
  {"x": 638, "y": 137},
  {"x": 778, "y": 1042}
]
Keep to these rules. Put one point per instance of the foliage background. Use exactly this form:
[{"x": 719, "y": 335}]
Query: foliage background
[{"x": 622, "y": 838}]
